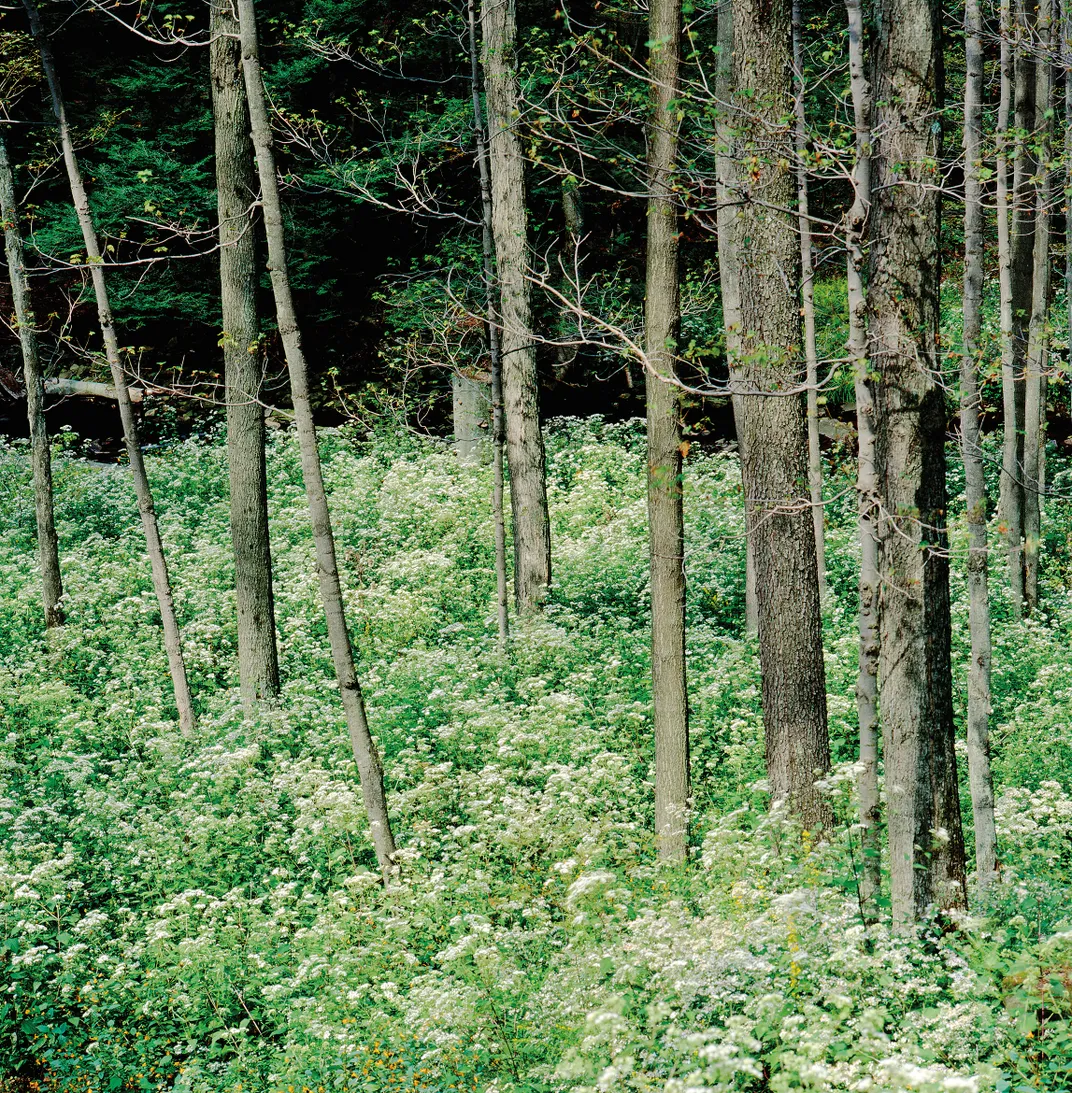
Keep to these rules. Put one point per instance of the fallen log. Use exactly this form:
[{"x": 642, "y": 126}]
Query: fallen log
[{"x": 62, "y": 385}]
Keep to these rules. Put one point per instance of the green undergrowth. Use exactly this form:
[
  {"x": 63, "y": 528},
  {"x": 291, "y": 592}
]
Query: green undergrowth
[{"x": 204, "y": 914}]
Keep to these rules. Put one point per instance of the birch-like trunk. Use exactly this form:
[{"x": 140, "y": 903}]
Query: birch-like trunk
[
  {"x": 40, "y": 454},
  {"x": 765, "y": 364},
  {"x": 236, "y": 189},
  {"x": 487, "y": 241},
  {"x": 979, "y": 777},
  {"x": 521, "y": 392},
  {"x": 1038, "y": 340},
  {"x": 867, "y": 483},
  {"x": 366, "y": 755},
  {"x": 470, "y": 402},
  {"x": 155, "y": 547},
  {"x": 925, "y": 833},
  {"x": 807, "y": 302},
  {"x": 666, "y": 528}
]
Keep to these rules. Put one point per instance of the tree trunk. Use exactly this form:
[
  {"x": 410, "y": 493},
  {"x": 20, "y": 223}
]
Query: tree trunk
[
  {"x": 666, "y": 527},
  {"x": 726, "y": 216},
  {"x": 258, "y": 662},
  {"x": 572, "y": 259},
  {"x": 367, "y": 757},
  {"x": 494, "y": 345},
  {"x": 807, "y": 301},
  {"x": 867, "y": 485},
  {"x": 1011, "y": 493},
  {"x": 926, "y": 838},
  {"x": 470, "y": 398},
  {"x": 524, "y": 441},
  {"x": 982, "y": 786},
  {"x": 41, "y": 456},
  {"x": 1021, "y": 248},
  {"x": 1038, "y": 339},
  {"x": 142, "y": 490},
  {"x": 1066, "y": 62},
  {"x": 764, "y": 365}
]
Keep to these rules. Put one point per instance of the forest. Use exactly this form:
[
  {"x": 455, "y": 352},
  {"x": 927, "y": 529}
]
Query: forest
[{"x": 535, "y": 552}]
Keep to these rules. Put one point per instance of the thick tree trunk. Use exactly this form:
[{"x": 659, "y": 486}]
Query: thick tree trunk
[
  {"x": 258, "y": 662},
  {"x": 926, "y": 838},
  {"x": 666, "y": 526},
  {"x": 726, "y": 216},
  {"x": 807, "y": 302},
  {"x": 367, "y": 757},
  {"x": 1038, "y": 339},
  {"x": 764, "y": 365},
  {"x": 41, "y": 457},
  {"x": 982, "y": 786},
  {"x": 867, "y": 485},
  {"x": 487, "y": 240},
  {"x": 155, "y": 547},
  {"x": 524, "y": 441}
]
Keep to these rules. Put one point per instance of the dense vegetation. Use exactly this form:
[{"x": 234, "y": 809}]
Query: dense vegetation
[{"x": 205, "y": 913}]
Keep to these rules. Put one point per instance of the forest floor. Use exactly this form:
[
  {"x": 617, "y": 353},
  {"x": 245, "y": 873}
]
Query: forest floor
[{"x": 204, "y": 913}]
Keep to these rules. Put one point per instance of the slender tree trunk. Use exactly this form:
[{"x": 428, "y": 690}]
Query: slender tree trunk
[
  {"x": 982, "y": 786},
  {"x": 1021, "y": 248},
  {"x": 666, "y": 527},
  {"x": 573, "y": 259},
  {"x": 236, "y": 189},
  {"x": 1038, "y": 339},
  {"x": 142, "y": 490},
  {"x": 524, "y": 441},
  {"x": 1066, "y": 63},
  {"x": 726, "y": 216},
  {"x": 364, "y": 747},
  {"x": 494, "y": 347},
  {"x": 867, "y": 483},
  {"x": 765, "y": 364},
  {"x": 926, "y": 837},
  {"x": 1011, "y": 493},
  {"x": 807, "y": 300},
  {"x": 41, "y": 457}
]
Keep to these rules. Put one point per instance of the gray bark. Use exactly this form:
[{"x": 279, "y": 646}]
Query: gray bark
[
  {"x": 979, "y": 776},
  {"x": 867, "y": 484},
  {"x": 40, "y": 454},
  {"x": 524, "y": 441},
  {"x": 807, "y": 302},
  {"x": 258, "y": 661},
  {"x": 64, "y": 385},
  {"x": 142, "y": 490},
  {"x": 926, "y": 838},
  {"x": 471, "y": 405},
  {"x": 1011, "y": 494},
  {"x": 498, "y": 430},
  {"x": 764, "y": 364},
  {"x": 572, "y": 258},
  {"x": 666, "y": 528},
  {"x": 728, "y": 273},
  {"x": 366, "y": 755},
  {"x": 1038, "y": 338},
  {"x": 1020, "y": 287}
]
